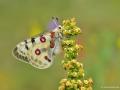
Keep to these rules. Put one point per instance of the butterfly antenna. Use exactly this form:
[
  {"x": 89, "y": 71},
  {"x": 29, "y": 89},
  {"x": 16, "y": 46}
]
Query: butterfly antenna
[{"x": 55, "y": 20}]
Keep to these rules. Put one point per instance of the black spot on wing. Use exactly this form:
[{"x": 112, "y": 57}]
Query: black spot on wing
[
  {"x": 32, "y": 40},
  {"x": 15, "y": 51},
  {"x": 49, "y": 60},
  {"x": 25, "y": 41},
  {"x": 26, "y": 46},
  {"x": 46, "y": 58}
]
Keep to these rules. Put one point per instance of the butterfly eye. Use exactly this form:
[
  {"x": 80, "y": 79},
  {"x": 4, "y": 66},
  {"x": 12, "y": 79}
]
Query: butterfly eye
[
  {"x": 42, "y": 39},
  {"x": 59, "y": 27},
  {"x": 37, "y": 51}
]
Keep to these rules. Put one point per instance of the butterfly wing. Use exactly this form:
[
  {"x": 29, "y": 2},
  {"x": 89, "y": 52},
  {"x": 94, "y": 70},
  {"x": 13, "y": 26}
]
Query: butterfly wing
[{"x": 36, "y": 51}]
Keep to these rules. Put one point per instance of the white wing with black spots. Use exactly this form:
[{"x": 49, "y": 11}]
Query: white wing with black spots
[{"x": 36, "y": 51}]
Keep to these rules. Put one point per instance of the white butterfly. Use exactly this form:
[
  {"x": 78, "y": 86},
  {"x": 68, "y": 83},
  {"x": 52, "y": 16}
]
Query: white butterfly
[{"x": 38, "y": 51}]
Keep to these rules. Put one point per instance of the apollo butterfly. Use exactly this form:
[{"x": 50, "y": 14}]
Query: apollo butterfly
[{"x": 38, "y": 51}]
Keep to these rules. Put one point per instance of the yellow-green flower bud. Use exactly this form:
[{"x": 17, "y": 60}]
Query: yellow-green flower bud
[
  {"x": 80, "y": 83},
  {"x": 90, "y": 81},
  {"x": 81, "y": 72},
  {"x": 86, "y": 82},
  {"x": 82, "y": 88},
  {"x": 63, "y": 81},
  {"x": 68, "y": 83},
  {"x": 62, "y": 87}
]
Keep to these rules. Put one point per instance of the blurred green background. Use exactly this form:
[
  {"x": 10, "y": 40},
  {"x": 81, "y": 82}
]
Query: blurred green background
[{"x": 100, "y": 24}]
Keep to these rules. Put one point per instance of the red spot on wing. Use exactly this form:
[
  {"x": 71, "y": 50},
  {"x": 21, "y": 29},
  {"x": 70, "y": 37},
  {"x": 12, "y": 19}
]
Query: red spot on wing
[
  {"x": 37, "y": 51},
  {"x": 52, "y": 34},
  {"x": 52, "y": 43},
  {"x": 42, "y": 39}
]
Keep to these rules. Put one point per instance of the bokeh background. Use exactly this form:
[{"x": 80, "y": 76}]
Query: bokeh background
[{"x": 100, "y": 24}]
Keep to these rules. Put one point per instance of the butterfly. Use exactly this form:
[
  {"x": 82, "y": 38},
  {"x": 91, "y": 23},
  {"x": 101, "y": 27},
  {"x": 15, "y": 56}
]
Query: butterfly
[{"x": 39, "y": 50}]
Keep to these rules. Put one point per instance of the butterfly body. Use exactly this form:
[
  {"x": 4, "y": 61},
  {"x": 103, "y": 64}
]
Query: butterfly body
[{"x": 38, "y": 51}]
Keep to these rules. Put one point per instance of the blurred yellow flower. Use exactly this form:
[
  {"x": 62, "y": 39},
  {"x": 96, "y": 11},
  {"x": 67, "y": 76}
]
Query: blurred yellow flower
[
  {"x": 35, "y": 29},
  {"x": 6, "y": 82}
]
